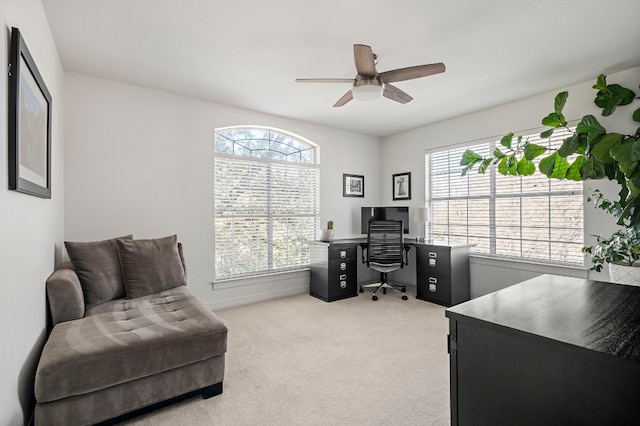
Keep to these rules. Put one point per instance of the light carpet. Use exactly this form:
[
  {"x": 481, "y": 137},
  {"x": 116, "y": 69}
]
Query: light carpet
[{"x": 302, "y": 361}]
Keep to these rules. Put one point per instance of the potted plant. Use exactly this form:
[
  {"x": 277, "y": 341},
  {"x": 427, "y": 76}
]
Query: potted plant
[
  {"x": 596, "y": 154},
  {"x": 327, "y": 234}
]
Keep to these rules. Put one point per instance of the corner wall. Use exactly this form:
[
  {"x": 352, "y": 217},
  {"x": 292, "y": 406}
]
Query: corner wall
[
  {"x": 405, "y": 152},
  {"x": 141, "y": 161},
  {"x": 31, "y": 228}
]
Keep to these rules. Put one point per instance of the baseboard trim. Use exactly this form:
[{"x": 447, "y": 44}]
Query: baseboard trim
[{"x": 257, "y": 297}]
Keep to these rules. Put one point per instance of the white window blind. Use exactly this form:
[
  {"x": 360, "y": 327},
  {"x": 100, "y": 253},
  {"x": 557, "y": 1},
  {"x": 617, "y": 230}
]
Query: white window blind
[
  {"x": 530, "y": 218},
  {"x": 266, "y": 203}
]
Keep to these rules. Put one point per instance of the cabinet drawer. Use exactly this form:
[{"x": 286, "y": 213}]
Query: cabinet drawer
[
  {"x": 434, "y": 288},
  {"x": 434, "y": 260},
  {"x": 342, "y": 266},
  {"x": 342, "y": 253}
]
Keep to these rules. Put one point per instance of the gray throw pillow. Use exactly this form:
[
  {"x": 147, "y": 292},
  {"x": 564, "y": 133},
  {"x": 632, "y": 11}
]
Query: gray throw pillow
[
  {"x": 98, "y": 267},
  {"x": 150, "y": 266}
]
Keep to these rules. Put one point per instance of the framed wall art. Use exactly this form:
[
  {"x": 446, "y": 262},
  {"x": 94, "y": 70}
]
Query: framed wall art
[
  {"x": 402, "y": 186},
  {"x": 29, "y": 123},
  {"x": 352, "y": 185}
]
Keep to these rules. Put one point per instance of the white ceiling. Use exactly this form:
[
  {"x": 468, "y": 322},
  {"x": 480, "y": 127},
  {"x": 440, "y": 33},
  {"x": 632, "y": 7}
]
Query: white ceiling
[{"x": 247, "y": 53}]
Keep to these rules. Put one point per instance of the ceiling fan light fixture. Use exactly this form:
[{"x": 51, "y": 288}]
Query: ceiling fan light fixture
[{"x": 368, "y": 90}]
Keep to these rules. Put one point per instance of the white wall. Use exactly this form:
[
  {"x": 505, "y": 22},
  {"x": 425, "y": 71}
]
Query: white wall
[
  {"x": 405, "y": 152},
  {"x": 31, "y": 228},
  {"x": 141, "y": 161}
]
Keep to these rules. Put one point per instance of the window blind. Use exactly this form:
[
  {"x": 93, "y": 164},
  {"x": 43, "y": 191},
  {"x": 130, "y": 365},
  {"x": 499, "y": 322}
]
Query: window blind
[
  {"x": 265, "y": 212},
  {"x": 530, "y": 217}
]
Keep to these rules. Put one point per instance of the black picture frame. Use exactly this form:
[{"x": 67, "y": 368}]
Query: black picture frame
[
  {"x": 352, "y": 185},
  {"x": 401, "y": 186},
  {"x": 29, "y": 123}
]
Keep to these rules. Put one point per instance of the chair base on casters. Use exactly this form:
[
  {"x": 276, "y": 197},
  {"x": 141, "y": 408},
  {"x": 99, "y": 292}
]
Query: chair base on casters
[{"x": 384, "y": 285}]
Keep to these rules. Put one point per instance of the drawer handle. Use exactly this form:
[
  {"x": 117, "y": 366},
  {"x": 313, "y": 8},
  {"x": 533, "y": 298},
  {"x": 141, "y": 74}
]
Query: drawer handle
[
  {"x": 433, "y": 254},
  {"x": 343, "y": 254},
  {"x": 433, "y": 280},
  {"x": 343, "y": 277},
  {"x": 343, "y": 266},
  {"x": 343, "y": 284}
]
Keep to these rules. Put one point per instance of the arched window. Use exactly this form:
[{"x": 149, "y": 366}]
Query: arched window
[{"x": 266, "y": 201}]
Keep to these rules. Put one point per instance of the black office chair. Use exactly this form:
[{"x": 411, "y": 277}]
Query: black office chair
[{"x": 385, "y": 252}]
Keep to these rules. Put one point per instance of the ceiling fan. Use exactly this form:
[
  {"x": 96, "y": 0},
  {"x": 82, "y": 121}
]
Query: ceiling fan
[{"x": 368, "y": 84}]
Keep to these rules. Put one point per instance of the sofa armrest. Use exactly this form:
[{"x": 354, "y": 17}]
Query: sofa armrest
[{"x": 64, "y": 294}]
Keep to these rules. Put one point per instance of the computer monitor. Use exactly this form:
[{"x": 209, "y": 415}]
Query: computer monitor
[{"x": 384, "y": 213}]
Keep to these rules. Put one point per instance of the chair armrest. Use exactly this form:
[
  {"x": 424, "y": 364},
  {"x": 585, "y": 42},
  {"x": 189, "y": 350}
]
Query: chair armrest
[
  {"x": 364, "y": 246},
  {"x": 64, "y": 294},
  {"x": 405, "y": 258}
]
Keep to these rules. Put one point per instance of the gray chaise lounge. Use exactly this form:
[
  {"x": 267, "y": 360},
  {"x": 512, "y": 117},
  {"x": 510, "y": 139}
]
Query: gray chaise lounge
[{"x": 149, "y": 342}]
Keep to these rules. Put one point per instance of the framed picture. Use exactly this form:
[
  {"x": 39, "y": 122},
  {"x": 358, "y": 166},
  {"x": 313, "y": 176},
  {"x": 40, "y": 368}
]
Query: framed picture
[
  {"x": 402, "y": 186},
  {"x": 352, "y": 185},
  {"x": 29, "y": 123}
]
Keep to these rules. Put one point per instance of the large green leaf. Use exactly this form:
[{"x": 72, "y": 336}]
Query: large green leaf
[
  {"x": 627, "y": 151},
  {"x": 561, "y": 99},
  {"x": 506, "y": 140},
  {"x": 601, "y": 149},
  {"x": 569, "y": 146},
  {"x": 554, "y": 120},
  {"x": 470, "y": 158},
  {"x": 636, "y": 115},
  {"x": 592, "y": 168},
  {"x": 484, "y": 165},
  {"x": 508, "y": 166},
  {"x": 497, "y": 153},
  {"x": 560, "y": 168},
  {"x": 547, "y": 164},
  {"x": 531, "y": 151},
  {"x": 547, "y": 133},
  {"x": 591, "y": 127},
  {"x": 526, "y": 167},
  {"x": 613, "y": 96},
  {"x": 601, "y": 82},
  {"x": 574, "y": 170}
]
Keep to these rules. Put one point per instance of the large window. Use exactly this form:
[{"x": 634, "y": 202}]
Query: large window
[
  {"x": 266, "y": 201},
  {"x": 533, "y": 217}
]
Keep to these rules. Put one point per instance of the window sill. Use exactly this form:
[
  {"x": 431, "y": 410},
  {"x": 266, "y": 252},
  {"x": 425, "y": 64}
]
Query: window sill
[
  {"x": 260, "y": 279},
  {"x": 530, "y": 266}
]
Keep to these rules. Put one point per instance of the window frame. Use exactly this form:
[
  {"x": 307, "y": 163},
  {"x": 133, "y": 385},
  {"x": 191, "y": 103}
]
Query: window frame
[
  {"x": 494, "y": 194},
  {"x": 270, "y": 215}
]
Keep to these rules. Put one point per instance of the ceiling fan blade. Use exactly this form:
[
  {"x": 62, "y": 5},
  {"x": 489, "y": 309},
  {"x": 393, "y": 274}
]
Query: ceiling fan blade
[
  {"x": 344, "y": 99},
  {"x": 409, "y": 73},
  {"x": 365, "y": 61},
  {"x": 324, "y": 80},
  {"x": 395, "y": 94}
]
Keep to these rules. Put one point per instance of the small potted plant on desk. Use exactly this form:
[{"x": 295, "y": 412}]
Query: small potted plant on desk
[
  {"x": 327, "y": 234},
  {"x": 598, "y": 154}
]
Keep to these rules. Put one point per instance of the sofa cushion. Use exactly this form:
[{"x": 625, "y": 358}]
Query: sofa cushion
[
  {"x": 123, "y": 340},
  {"x": 98, "y": 267},
  {"x": 150, "y": 266}
]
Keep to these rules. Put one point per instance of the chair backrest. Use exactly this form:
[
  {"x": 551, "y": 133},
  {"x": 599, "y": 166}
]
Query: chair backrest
[{"x": 385, "y": 242}]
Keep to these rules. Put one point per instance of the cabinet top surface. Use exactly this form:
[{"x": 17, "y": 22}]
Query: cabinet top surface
[
  {"x": 409, "y": 241},
  {"x": 600, "y": 316}
]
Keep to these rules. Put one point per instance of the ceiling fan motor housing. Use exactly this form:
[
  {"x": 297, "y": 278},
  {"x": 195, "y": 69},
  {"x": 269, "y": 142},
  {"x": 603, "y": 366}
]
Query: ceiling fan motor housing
[{"x": 367, "y": 88}]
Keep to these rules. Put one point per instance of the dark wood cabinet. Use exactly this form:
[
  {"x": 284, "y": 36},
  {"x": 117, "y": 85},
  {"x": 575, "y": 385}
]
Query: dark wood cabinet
[
  {"x": 333, "y": 272},
  {"x": 549, "y": 351},
  {"x": 442, "y": 274}
]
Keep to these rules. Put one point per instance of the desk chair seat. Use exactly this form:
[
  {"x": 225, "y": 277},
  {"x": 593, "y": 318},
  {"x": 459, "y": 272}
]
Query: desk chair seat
[{"x": 385, "y": 252}]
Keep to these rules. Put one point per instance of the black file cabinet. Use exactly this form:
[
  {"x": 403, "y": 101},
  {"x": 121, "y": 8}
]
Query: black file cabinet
[
  {"x": 333, "y": 270},
  {"x": 442, "y": 274}
]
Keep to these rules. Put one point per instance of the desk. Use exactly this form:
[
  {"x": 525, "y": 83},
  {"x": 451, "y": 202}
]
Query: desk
[
  {"x": 549, "y": 351},
  {"x": 441, "y": 271}
]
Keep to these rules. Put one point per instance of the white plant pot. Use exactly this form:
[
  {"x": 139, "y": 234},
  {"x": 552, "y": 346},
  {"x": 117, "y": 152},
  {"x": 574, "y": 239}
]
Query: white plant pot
[
  {"x": 327, "y": 235},
  {"x": 623, "y": 274}
]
